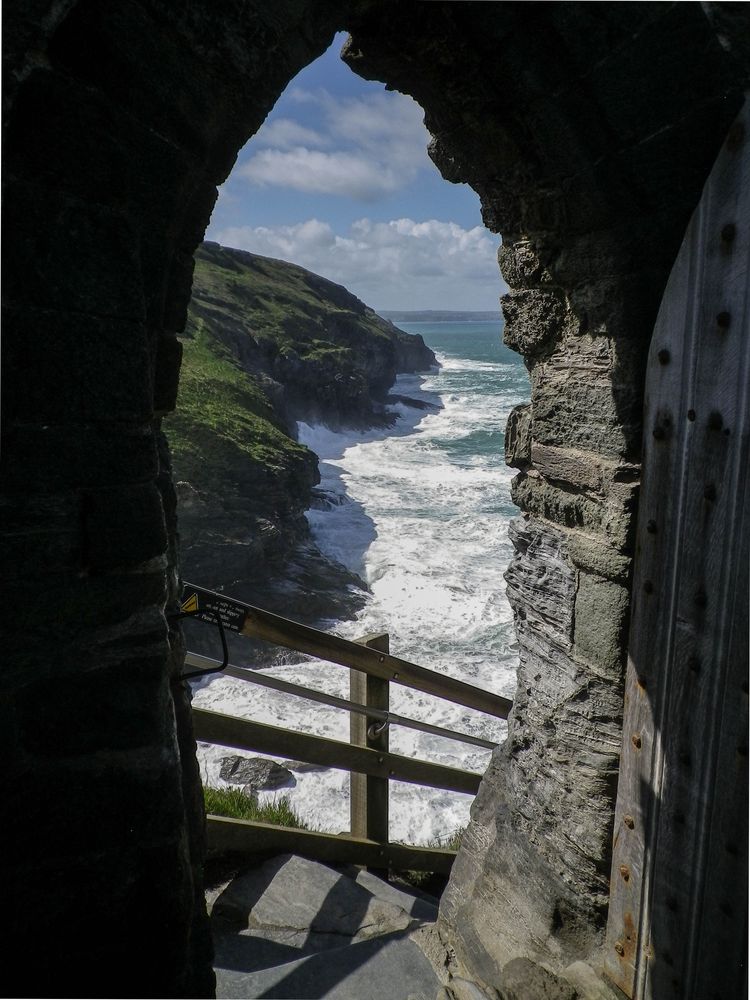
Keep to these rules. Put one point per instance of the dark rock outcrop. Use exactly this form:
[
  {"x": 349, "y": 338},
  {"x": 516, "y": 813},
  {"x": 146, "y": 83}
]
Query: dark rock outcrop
[{"x": 258, "y": 772}]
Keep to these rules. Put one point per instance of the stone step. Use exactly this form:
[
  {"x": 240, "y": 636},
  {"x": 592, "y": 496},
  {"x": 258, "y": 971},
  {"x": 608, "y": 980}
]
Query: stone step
[
  {"x": 296, "y": 928},
  {"x": 390, "y": 967}
]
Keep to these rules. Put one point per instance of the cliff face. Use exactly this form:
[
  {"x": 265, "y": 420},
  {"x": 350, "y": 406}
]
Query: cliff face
[
  {"x": 266, "y": 344},
  {"x": 324, "y": 355}
]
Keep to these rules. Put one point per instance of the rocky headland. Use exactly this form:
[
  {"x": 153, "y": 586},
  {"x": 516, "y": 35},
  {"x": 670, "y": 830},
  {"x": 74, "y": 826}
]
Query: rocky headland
[{"x": 268, "y": 344}]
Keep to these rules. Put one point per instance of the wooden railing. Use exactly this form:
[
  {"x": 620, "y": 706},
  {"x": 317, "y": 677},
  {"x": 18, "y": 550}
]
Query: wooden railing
[{"x": 367, "y": 756}]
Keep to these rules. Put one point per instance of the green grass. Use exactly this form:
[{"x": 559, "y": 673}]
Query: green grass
[
  {"x": 235, "y": 803},
  {"x": 224, "y": 430}
]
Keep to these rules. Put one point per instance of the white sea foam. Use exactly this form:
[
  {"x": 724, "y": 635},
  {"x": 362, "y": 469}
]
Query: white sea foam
[{"x": 421, "y": 515}]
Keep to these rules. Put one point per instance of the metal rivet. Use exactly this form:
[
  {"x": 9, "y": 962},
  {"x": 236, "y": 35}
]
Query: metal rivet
[
  {"x": 395, "y": 677},
  {"x": 635, "y": 739},
  {"x": 723, "y": 320},
  {"x": 629, "y": 822},
  {"x": 648, "y": 587},
  {"x": 729, "y": 232},
  {"x": 691, "y": 414},
  {"x": 651, "y": 527},
  {"x": 659, "y": 433},
  {"x": 381, "y": 659},
  {"x": 663, "y": 356},
  {"x": 715, "y": 421},
  {"x": 391, "y": 773},
  {"x": 625, "y": 872},
  {"x": 710, "y": 492},
  {"x": 727, "y": 432},
  {"x": 619, "y": 948},
  {"x": 380, "y": 760}
]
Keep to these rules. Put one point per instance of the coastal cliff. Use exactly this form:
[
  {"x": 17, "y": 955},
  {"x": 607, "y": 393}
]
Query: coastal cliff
[{"x": 267, "y": 344}]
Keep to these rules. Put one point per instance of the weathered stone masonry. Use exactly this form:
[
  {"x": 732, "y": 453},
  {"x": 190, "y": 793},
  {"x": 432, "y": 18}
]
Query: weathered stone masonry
[{"x": 587, "y": 130}]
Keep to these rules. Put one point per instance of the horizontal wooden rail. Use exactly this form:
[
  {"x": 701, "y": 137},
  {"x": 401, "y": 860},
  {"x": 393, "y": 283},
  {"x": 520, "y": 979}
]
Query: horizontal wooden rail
[
  {"x": 276, "y": 684},
  {"x": 258, "y": 624},
  {"x": 248, "y": 837},
  {"x": 243, "y": 734}
]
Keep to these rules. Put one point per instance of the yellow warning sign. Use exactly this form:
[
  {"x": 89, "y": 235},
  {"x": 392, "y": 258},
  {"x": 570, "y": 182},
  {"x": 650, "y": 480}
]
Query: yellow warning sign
[{"x": 190, "y": 605}]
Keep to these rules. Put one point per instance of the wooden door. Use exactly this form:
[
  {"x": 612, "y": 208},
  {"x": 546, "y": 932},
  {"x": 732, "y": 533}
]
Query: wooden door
[{"x": 678, "y": 901}]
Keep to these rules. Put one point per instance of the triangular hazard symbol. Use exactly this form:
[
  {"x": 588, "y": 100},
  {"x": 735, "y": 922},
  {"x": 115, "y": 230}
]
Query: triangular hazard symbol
[{"x": 191, "y": 604}]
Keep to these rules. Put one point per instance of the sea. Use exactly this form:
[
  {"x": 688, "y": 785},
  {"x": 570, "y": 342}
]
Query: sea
[{"x": 420, "y": 512}]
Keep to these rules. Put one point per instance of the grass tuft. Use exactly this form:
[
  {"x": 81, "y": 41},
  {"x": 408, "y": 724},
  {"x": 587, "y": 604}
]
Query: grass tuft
[{"x": 233, "y": 802}]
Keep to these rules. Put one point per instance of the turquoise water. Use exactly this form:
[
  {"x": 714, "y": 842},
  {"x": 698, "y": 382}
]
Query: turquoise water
[{"x": 477, "y": 365}]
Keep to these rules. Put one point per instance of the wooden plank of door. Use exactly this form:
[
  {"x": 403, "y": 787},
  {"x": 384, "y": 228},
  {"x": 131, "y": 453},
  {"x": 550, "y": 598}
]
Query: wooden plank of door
[{"x": 679, "y": 785}]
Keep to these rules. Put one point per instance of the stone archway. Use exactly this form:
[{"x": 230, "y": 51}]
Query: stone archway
[{"x": 120, "y": 121}]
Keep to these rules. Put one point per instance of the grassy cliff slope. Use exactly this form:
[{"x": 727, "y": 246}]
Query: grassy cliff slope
[{"x": 268, "y": 343}]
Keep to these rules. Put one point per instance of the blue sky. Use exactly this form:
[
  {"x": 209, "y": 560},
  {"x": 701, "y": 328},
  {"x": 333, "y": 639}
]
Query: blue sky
[{"x": 339, "y": 181}]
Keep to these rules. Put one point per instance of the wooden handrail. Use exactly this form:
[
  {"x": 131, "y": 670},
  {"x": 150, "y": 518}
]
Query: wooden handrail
[
  {"x": 259, "y": 624},
  {"x": 366, "y": 755},
  {"x": 244, "y": 734},
  {"x": 241, "y": 836},
  {"x": 251, "y": 676}
]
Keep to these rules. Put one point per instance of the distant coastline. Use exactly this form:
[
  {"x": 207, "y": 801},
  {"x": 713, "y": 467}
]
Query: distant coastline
[{"x": 438, "y": 316}]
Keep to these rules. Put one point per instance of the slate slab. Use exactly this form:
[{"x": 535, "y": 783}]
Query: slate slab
[
  {"x": 385, "y": 968},
  {"x": 292, "y": 900}
]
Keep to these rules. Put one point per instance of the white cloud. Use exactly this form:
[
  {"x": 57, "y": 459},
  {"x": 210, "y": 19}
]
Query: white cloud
[
  {"x": 401, "y": 264},
  {"x": 317, "y": 172},
  {"x": 284, "y": 133},
  {"x": 377, "y": 143}
]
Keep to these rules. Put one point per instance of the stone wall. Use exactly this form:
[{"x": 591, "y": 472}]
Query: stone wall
[
  {"x": 587, "y": 130},
  {"x": 120, "y": 119}
]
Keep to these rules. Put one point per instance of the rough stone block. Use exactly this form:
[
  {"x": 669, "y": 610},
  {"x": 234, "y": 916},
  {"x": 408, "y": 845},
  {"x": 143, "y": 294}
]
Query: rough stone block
[
  {"x": 533, "y": 320},
  {"x": 571, "y": 510},
  {"x": 518, "y": 437},
  {"x": 596, "y": 555},
  {"x": 525, "y": 980},
  {"x": 573, "y": 399},
  {"x": 519, "y": 264},
  {"x": 83, "y": 617},
  {"x": 101, "y": 368},
  {"x": 76, "y": 456},
  {"x": 601, "y": 618},
  {"x": 120, "y": 707},
  {"x": 73, "y": 256},
  {"x": 567, "y": 465},
  {"x": 122, "y": 526},
  {"x": 122, "y": 798}
]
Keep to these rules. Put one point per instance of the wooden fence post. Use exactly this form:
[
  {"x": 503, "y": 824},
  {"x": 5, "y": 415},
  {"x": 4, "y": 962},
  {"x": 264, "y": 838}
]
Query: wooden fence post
[{"x": 369, "y": 794}]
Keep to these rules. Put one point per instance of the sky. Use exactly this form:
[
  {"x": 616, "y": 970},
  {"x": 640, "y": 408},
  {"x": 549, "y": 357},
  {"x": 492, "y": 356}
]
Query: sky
[{"x": 338, "y": 180}]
